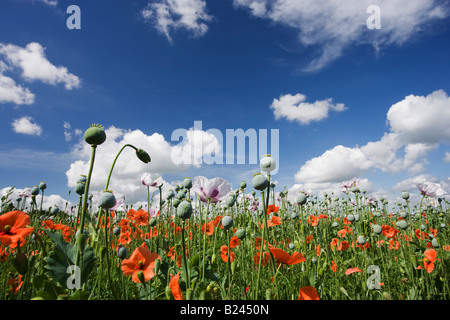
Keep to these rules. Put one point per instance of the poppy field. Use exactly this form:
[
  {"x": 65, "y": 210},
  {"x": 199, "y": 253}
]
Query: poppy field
[{"x": 205, "y": 241}]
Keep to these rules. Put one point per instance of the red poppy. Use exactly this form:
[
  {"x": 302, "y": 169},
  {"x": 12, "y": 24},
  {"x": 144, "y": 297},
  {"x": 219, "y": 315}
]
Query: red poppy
[
  {"x": 428, "y": 261},
  {"x": 313, "y": 220},
  {"x": 272, "y": 208},
  {"x": 352, "y": 270},
  {"x": 309, "y": 238},
  {"x": 15, "y": 284},
  {"x": 342, "y": 233},
  {"x": 333, "y": 266},
  {"x": 141, "y": 260},
  {"x": 234, "y": 242},
  {"x": 308, "y": 293},
  {"x": 209, "y": 228},
  {"x": 286, "y": 258},
  {"x": 224, "y": 254},
  {"x": 175, "y": 287},
  {"x": 317, "y": 247},
  {"x": 275, "y": 221},
  {"x": 388, "y": 231},
  {"x": 124, "y": 238},
  {"x": 13, "y": 228},
  {"x": 141, "y": 217},
  {"x": 264, "y": 260},
  {"x": 217, "y": 223}
]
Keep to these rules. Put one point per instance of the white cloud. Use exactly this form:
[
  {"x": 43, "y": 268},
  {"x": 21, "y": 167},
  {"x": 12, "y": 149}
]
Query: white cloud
[
  {"x": 447, "y": 157},
  {"x": 294, "y": 108},
  {"x": 26, "y": 125},
  {"x": 52, "y": 3},
  {"x": 51, "y": 200},
  {"x": 11, "y": 92},
  {"x": 333, "y": 25},
  {"x": 128, "y": 168},
  {"x": 35, "y": 66},
  {"x": 418, "y": 125},
  {"x": 170, "y": 15}
]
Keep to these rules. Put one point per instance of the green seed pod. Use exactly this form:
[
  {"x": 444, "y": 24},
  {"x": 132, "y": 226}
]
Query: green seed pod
[
  {"x": 54, "y": 210},
  {"x": 141, "y": 277},
  {"x": 20, "y": 262},
  {"x": 107, "y": 200},
  {"x": 42, "y": 185},
  {"x": 143, "y": 156},
  {"x": 241, "y": 234},
  {"x": 168, "y": 293},
  {"x": 157, "y": 265},
  {"x": 260, "y": 181},
  {"x": 301, "y": 198},
  {"x": 95, "y": 135},
  {"x": 184, "y": 210},
  {"x": 81, "y": 241},
  {"x": 377, "y": 229},
  {"x": 231, "y": 201},
  {"x": 35, "y": 191},
  {"x": 79, "y": 188},
  {"x": 176, "y": 202},
  {"x": 402, "y": 224},
  {"x": 351, "y": 217},
  {"x": 187, "y": 183},
  {"x": 243, "y": 185},
  {"x": 387, "y": 296},
  {"x": 122, "y": 252},
  {"x": 267, "y": 163},
  {"x": 435, "y": 243},
  {"x": 227, "y": 222},
  {"x": 405, "y": 195}
]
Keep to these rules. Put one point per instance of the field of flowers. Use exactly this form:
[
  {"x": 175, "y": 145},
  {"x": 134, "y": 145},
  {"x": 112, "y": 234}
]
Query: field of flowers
[{"x": 205, "y": 241}]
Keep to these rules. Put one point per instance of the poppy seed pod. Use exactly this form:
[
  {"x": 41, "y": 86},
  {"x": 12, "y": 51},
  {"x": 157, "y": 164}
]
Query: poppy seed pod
[
  {"x": 227, "y": 222},
  {"x": 187, "y": 183},
  {"x": 260, "y": 181},
  {"x": 405, "y": 194},
  {"x": 402, "y": 224},
  {"x": 143, "y": 156},
  {"x": 243, "y": 185},
  {"x": 351, "y": 218},
  {"x": 361, "y": 240},
  {"x": 184, "y": 210},
  {"x": 301, "y": 198},
  {"x": 116, "y": 231},
  {"x": 107, "y": 200},
  {"x": 35, "y": 191},
  {"x": 95, "y": 135},
  {"x": 152, "y": 222},
  {"x": 42, "y": 185},
  {"x": 176, "y": 202},
  {"x": 241, "y": 234},
  {"x": 156, "y": 266},
  {"x": 267, "y": 163},
  {"x": 291, "y": 246},
  {"x": 170, "y": 194},
  {"x": 122, "y": 252},
  {"x": 435, "y": 243},
  {"x": 80, "y": 187},
  {"x": 54, "y": 210},
  {"x": 377, "y": 229},
  {"x": 231, "y": 201}
]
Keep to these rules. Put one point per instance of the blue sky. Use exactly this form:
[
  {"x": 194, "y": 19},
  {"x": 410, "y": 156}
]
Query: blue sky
[{"x": 250, "y": 64}]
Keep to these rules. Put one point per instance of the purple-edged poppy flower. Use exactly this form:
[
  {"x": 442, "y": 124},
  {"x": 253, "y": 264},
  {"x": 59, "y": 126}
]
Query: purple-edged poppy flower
[
  {"x": 213, "y": 190},
  {"x": 430, "y": 189},
  {"x": 148, "y": 180}
]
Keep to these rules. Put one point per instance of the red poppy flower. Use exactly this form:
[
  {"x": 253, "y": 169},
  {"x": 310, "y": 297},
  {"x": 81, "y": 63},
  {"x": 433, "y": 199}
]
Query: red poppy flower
[
  {"x": 430, "y": 258},
  {"x": 342, "y": 233},
  {"x": 275, "y": 221},
  {"x": 175, "y": 287},
  {"x": 309, "y": 238},
  {"x": 234, "y": 242},
  {"x": 141, "y": 217},
  {"x": 13, "y": 228},
  {"x": 308, "y": 293},
  {"x": 209, "y": 228},
  {"x": 224, "y": 254},
  {"x": 217, "y": 223},
  {"x": 333, "y": 266},
  {"x": 264, "y": 260},
  {"x": 313, "y": 220},
  {"x": 272, "y": 208},
  {"x": 388, "y": 231},
  {"x": 141, "y": 260},
  {"x": 352, "y": 270},
  {"x": 286, "y": 258}
]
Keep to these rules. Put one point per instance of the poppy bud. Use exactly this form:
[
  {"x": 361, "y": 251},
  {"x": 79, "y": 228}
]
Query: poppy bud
[
  {"x": 213, "y": 258},
  {"x": 152, "y": 222},
  {"x": 301, "y": 198},
  {"x": 189, "y": 294},
  {"x": 122, "y": 252},
  {"x": 269, "y": 294},
  {"x": 157, "y": 266},
  {"x": 184, "y": 210},
  {"x": 95, "y": 135},
  {"x": 42, "y": 185},
  {"x": 260, "y": 181},
  {"x": 413, "y": 259},
  {"x": 243, "y": 185},
  {"x": 387, "y": 296},
  {"x": 227, "y": 222},
  {"x": 81, "y": 241},
  {"x": 168, "y": 292},
  {"x": 187, "y": 183},
  {"x": 20, "y": 262},
  {"x": 233, "y": 267},
  {"x": 267, "y": 163},
  {"x": 141, "y": 277},
  {"x": 107, "y": 200},
  {"x": 143, "y": 156}
]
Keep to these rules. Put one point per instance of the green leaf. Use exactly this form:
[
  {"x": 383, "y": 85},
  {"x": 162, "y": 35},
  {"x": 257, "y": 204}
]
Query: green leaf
[
  {"x": 194, "y": 261},
  {"x": 64, "y": 256}
]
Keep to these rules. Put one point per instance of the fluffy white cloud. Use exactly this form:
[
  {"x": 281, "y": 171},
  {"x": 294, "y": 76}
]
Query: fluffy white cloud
[
  {"x": 418, "y": 124},
  {"x": 51, "y": 200},
  {"x": 294, "y": 108},
  {"x": 170, "y": 15},
  {"x": 35, "y": 66},
  {"x": 447, "y": 157},
  {"x": 26, "y": 125},
  {"x": 333, "y": 25},
  {"x": 128, "y": 169},
  {"x": 11, "y": 92}
]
